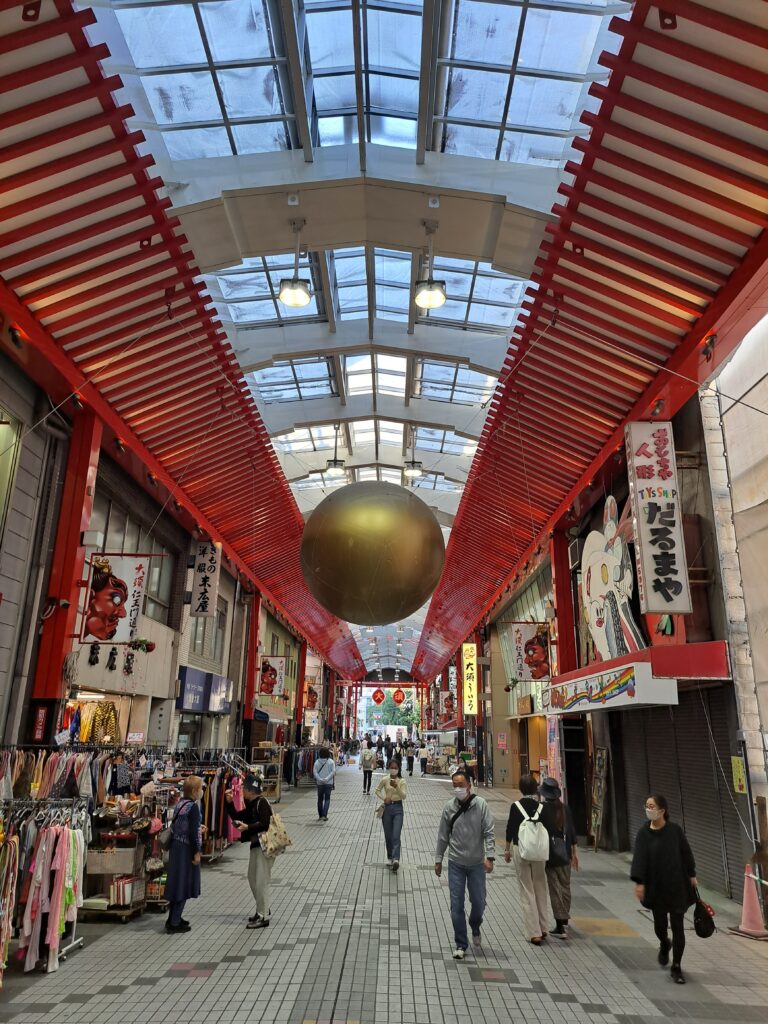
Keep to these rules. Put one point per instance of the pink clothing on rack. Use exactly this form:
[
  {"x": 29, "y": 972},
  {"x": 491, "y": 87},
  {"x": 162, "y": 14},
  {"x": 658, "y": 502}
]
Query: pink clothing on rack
[{"x": 233, "y": 833}]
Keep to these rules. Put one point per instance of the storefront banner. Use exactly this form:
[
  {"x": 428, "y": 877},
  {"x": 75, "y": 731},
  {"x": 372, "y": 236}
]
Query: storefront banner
[
  {"x": 447, "y": 704},
  {"x": 530, "y": 647},
  {"x": 662, "y": 566},
  {"x": 627, "y": 686},
  {"x": 115, "y": 602},
  {"x": 452, "y": 683},
  {"x": 193, "y": 691},
  {"x": 554, "y": 759},
  {"x": 272, "y": 682},
  {"x": 469, "y": 678},
  {"x": 205, "y": 578}
]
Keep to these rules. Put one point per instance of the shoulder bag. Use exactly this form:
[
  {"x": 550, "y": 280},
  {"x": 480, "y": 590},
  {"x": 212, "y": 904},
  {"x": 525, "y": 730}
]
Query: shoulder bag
[{"x": 276, "y": 839}]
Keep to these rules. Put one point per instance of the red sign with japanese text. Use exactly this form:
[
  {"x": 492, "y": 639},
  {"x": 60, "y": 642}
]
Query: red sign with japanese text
[
  {"x": 398, "y": 697},
  {"x": 378, "y": 696}
]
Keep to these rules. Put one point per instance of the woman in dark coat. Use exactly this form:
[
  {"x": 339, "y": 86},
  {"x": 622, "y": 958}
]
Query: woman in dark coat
[
  {"x": 664, "y": 873},
  {"x": 183, "y": 881},
  {"x": 558, "y": 821}
]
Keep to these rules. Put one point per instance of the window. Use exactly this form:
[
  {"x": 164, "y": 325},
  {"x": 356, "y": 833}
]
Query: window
[
  {"x": 125, "y": 535},
  {"x": 294, "y": 380},
  {"x": 208, "y": 636},
  {"x": 9, "y": 451},
  {"x": 275, "y": 645},
  {"x": 451, "y": 382},
  {"x": 220, "y": 632},
  {"x": 197, "y": 641}
]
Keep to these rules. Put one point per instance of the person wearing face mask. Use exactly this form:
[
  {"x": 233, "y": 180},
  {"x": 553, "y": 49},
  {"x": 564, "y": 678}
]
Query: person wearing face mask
[
  {"x": 392, "y": 790},
  {"x": 466, "y": 832},
  {"x": 664, "y": 873}
]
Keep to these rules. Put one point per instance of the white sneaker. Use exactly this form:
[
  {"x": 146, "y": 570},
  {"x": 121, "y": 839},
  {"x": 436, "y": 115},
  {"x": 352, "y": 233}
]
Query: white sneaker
[{"x": 459, "y": 954}]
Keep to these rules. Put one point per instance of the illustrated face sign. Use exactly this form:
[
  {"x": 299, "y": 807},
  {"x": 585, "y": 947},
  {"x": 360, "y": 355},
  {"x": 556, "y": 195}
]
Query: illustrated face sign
[
  {"x": 607, "y": 584},
  {"x": 272, "y": 677},
  {"x": 115, "y": 597}
]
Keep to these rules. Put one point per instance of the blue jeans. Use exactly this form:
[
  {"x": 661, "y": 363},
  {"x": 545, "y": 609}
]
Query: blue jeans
[
  {"x": 393, "y": 826},
  {"x": 175, "y": 910},
  {"x": 461, "y": 877},
  {"x": 323, "y": 800}
]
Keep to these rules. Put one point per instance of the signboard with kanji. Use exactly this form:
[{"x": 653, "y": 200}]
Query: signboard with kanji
[
  {"x": 469, "y": 674},
  {"x": 115, "y": 597},
  {"x": 272, "y": 683},
  {"x": 398, "y": 697},
  {"x": 378, "y": 696},
  {"x": 205, "y": 578},
  {"x": 662, "y": 567}
]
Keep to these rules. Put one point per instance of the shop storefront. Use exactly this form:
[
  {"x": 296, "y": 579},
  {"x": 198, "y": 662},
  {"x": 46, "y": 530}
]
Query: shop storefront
[{"x": 204, "y": 702}]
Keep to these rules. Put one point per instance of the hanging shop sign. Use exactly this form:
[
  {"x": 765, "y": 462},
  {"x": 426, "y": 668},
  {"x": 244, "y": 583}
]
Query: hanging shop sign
[
  {"x": 452, "y": 681},
  {"x": 378, "y": 696},
  {"x": 398, "y": 697},
  {"x": 447, "y": 704},
  {"x": 501, "y": 741},
  {"x": 272, "y": 681},
  {"x": 193, "y": 691},
  {"x": 554, "y": 758},
  {"x": 115, "y": 601},
  {"x": 625, "y": 686},
  {"x": 607, "y": 585},
  {"x": 469, "y": 677},
  {"x": 599, "y": 784},
  {"x": 41, "y": 720},
  {"x": 134, "y": 738},
  {"x": 524, "y": 705},
  {"x": 312, "y": 696},
  {"x": 662, "y": 567},
  {"x": 205, "y": 578},
  {"x": 739, "y": 775},
  {"x": 530, "y": 649}
]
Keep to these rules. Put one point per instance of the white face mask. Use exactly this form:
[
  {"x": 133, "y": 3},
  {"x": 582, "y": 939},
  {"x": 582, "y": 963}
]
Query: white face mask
[
  {"x": 393, "y": 773},
  {"x": 653, "y": 814},
  {"x": 461, "y": 792}
]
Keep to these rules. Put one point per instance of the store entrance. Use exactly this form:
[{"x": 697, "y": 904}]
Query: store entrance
[{"x": 575, "y": 769}]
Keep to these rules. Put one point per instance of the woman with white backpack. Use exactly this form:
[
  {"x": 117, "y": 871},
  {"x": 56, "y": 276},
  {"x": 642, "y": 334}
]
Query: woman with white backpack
[{"x": 528, "y": 837}]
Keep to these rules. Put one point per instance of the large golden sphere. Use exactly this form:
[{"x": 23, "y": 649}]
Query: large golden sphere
[{"x": 372, "y": 553}]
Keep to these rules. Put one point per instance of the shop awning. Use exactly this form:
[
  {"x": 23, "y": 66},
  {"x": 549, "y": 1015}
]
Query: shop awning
[
  {"x": 643, "y": 678},
  {"x": 279, "y": 717}
]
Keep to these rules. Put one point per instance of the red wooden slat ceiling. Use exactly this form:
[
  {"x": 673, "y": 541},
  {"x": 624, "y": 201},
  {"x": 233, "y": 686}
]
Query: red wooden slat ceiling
[
  {"x": 660, "y": 227},
  {"x": 106, "y": 275}
]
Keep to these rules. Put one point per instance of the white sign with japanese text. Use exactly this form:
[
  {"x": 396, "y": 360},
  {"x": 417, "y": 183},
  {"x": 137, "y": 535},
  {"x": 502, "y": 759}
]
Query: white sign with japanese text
[
  {"x": 205, "y": 578},
  {"x": 662, "y": 567},
  {"x": 469, "y": 677},
  {"x": 115, "y": 600}
]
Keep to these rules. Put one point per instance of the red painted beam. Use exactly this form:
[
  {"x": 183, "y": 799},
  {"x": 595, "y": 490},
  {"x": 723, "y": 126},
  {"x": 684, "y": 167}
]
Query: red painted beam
[
  {"x": 58, "y": 101},
  {"x": 119, "y": 309},
  {"x": 714, "y": 19},
  {"x": 142, "y": 336},
  {"x": 43, "y": 30}
]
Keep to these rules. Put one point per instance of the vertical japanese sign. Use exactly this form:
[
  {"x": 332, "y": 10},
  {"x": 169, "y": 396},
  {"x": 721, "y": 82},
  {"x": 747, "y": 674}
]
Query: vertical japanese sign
[
  {"x": 272, "y": 677},
  {"x": 205, "y": 581},
  {"x": 469, "y": 674},
  {"x": 115, "y": 597},
  {"x": 530, "y": 642},
  {"x": 662, "y": 568}
]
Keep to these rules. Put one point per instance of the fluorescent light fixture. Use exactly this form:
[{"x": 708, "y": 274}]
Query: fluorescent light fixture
[
  {"x": 296, "y": 292},
  {"x": 430, "y": 294},
  {"x": 87, "y": 695},
  {"x": 413, "y": 469},
  {"x": 334, "y": 468}
]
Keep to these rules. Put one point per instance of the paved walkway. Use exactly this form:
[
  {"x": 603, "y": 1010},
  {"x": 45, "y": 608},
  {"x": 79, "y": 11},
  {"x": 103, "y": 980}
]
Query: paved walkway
[{"x": 350, "y": 942}]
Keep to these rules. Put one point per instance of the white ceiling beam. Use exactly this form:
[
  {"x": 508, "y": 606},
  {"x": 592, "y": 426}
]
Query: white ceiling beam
[
  {"x": 444, "y": 503},
  {"x": 282, "y": 417},
  {"x": 256, "y": 348},
  {"x": 296, "y": 467},
  {"x": 293, "y": 36}
]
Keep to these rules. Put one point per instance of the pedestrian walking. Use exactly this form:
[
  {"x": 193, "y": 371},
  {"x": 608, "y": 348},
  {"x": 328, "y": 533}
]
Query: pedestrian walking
[
  {"x": 664, "y": 873},
  {"x": 367, "y": 764},
  {"x": 410, "y": 754},
  {"x": 325, "y": 775},
  {"x": 563, "y": 853},
  {"x": 423, "y": 758},
  {"x": 388, "y": 750},
  {"x": 183, "y": 876},
  {"x": 251, "y": 822},
  {"x": 466, "y": 832},
  {"x": 392, "y": 790},
  {"x": 525, "y": 818}
]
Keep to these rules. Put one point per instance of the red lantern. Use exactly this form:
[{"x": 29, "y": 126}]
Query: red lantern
[
  {"x": 378, "y": 696},
  {"x": 398, "y": 697}
]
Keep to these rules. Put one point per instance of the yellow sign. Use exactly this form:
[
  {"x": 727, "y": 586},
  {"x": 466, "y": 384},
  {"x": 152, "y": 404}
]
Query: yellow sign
[
  {"x": 469, "y": 675},
  {"x": 739, "y": 778}
]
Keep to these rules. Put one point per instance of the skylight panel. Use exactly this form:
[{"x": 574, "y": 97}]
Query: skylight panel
[
  {"x": 251, "y": 92},
  {"x": 267, "y": 137},
  {"x": 393, "y": 131},
  {"x": 162, "y": 36},
  {"x": 236, "y": 31},
  {"x": 364, "y": 432},
  {"x": 559, "y": 40},
  {"x": 197, "y": 143},
  {"x": 330, "y": 38},
  {"x": 469, "y": 140},
  {"x": 394, "y": 39},
  {"x": 390, "y": 433},
  {"x": 485, "y": 32},
  {"x": 498, "y": 288},
  {"x": 533, "y": 149},
  {"x": 389, "y": 475},
  {"x": 337, "y": 131},
  {"x": 367, "y": 473},
  {"x": 359, "y": 374},
  {"x": 182, "y": 98},
  {"x": 394, "y": 93},
  {"x": 251, "y": 312},
  {"x": 492, "y": 316},
  {"x": 335, "y": 92},
  {"x": 544, "y": 102},
  {"x": 478, "y": 95},
  {"x": 298, "y": 440},
  {"x": 240, "y": 285}
]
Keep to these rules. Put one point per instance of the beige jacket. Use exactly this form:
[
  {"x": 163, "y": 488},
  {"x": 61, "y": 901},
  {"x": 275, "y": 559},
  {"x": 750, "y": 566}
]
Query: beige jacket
[{"x": 392, "y": 789}]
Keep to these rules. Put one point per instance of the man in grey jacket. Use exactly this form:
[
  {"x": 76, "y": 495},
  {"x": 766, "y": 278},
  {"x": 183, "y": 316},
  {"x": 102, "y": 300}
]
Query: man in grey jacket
[{"x": 466, "y": 831}]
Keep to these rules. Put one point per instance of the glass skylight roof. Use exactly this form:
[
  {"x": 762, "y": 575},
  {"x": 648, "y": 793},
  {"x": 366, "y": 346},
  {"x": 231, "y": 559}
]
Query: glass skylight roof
[
  {"x": 391, "y": 279},
  {"x": 377, "y": 431},
  {"x": 308, "y": 439},
  {"x": 390, "y": 373},
  {"x": 436, "y": 482},
  {"x": 294, "y": 380},
  {"x": 478, "y": 296},
  {"x": 247, "y": 294},
  {"x": 450, "y": 382},
  {"x": 444, "y": 441}
]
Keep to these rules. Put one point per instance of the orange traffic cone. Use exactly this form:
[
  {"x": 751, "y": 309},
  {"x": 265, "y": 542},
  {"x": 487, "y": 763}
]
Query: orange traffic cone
[{"x": 751, "y": 926}]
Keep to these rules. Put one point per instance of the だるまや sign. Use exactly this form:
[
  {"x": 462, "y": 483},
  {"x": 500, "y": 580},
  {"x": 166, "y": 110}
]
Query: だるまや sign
[{"x": 662, "y": 567}]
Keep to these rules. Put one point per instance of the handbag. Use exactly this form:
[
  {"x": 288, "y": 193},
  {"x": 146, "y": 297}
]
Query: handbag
[
  {"x": 559, "y": 854},
  {"x": 703, "y": 918},
  {"x": 276, "y": 839}
]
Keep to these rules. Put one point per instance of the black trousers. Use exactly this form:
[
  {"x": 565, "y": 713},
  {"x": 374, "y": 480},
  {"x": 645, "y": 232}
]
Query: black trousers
[
  {"x": 367, "y": 776},
  {"x": 677, "y": 923}
]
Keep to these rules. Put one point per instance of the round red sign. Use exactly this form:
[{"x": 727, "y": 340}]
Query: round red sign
[
  {"x": 398, "y": 697},
  {"x": 378, "y": 696}
]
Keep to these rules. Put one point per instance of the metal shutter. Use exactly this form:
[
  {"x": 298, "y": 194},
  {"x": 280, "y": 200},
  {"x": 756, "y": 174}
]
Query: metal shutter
[
  {"x": 635, "y": 768},
  {"x": 661, "y": 752},
  {"x": 701, "y": 803}
]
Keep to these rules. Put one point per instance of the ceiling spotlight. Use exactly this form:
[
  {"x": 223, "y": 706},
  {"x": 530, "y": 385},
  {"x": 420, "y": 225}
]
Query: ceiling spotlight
[
  {"x": 77, "y": 401},
  {"x": 152, "y": 479},
  {"x": 120, "y": 446},
  {"x": 430, "y": 294},
  {"x": 295, "y": 291},
  {"x": 413, "y": 469},
  {"x": 334, "y": 468}
]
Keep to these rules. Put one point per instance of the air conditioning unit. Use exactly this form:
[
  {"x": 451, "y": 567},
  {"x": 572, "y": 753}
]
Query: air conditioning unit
[{"x": 575, "y": 551}]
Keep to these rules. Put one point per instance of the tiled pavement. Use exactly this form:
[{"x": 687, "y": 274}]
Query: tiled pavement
[{"x": 349, "y": 942}]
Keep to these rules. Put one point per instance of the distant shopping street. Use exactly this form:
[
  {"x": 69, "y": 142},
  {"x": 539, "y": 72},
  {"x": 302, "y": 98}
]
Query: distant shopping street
[{"x": 350, "y": 942}]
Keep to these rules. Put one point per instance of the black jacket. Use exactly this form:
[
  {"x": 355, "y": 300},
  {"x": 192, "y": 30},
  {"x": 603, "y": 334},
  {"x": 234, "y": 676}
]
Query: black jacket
[
  {"x": 256, "y": 814},
  {"x": 663, "y": 862}
]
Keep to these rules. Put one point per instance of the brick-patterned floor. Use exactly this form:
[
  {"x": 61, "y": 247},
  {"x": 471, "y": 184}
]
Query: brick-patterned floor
[{"x": 349, "y": 942}]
